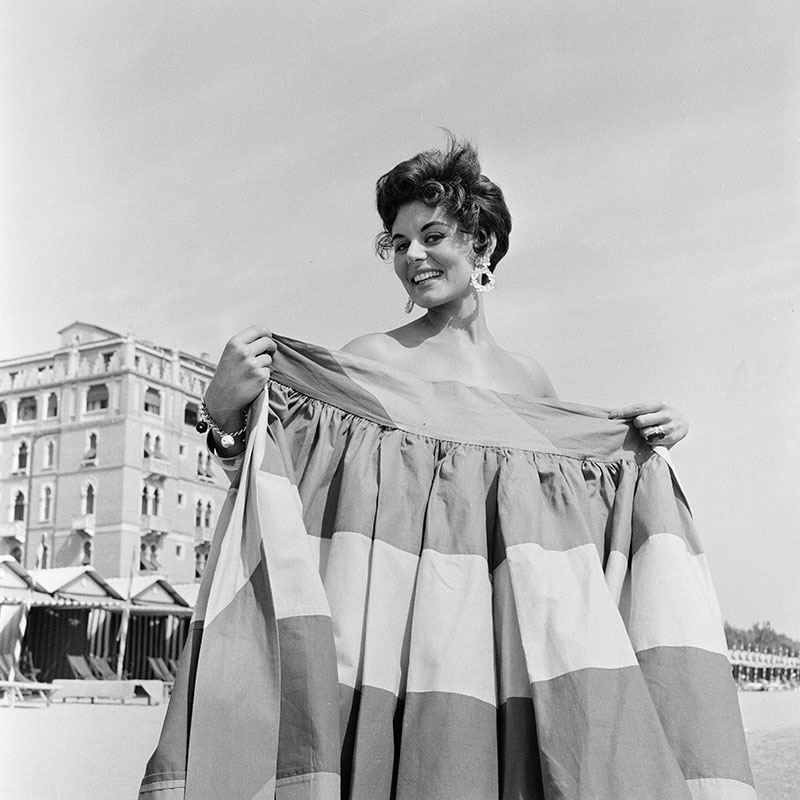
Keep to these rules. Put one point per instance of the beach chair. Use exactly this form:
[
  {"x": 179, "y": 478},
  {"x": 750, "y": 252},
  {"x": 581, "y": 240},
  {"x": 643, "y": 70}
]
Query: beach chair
[
  {"x": 160, "y": 670},
  {"x": 102, "y": 669},
  {"x": 173, "y": 666},
  {"x": 166, "y": 670},
  {"x": 22, "y": 685},
  {"x": 80, "y": 668}
]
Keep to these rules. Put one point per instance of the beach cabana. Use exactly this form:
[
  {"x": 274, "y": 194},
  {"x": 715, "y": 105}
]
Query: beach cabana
[
  {"x": 158, "y": 624},
  {"x": 17, "y": 587},
  {"x": 67, "y": 627}
]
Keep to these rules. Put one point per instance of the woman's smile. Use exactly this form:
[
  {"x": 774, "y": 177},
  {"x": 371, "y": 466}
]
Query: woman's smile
[{"x": 426, "y": 276}]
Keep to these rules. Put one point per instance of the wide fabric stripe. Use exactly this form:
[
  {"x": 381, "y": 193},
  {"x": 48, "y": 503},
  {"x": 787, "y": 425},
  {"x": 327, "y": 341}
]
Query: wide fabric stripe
[
  {"x": 567, "y": 618},
  {"x": 675, "y": 600}
]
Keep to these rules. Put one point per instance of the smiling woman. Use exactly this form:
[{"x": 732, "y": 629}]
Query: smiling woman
[{"x": 436, "y": 580}]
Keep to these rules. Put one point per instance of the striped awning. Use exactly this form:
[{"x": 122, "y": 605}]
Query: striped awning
[{"x": 428, "y": 590}]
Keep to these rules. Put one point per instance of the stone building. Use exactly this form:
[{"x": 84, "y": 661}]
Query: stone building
[{"x": 100, "y": 462}]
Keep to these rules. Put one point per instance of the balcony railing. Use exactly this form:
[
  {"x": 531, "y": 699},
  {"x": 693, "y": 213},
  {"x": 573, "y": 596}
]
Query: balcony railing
[
  {"x": 84, "y": 524},
  {"x": 13, "y": 530},
  {"x": 157, "y": 466},
  {"x": 152, "y": 523}
]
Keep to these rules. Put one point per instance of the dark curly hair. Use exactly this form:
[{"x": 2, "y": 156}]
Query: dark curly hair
[{"x": 451, "y": 179}]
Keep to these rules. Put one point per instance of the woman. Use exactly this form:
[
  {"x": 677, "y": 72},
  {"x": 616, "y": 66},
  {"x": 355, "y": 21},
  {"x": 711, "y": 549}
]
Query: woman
[
  {"x": 483, "y": 592},
  {"x": 446, "y": 227}
]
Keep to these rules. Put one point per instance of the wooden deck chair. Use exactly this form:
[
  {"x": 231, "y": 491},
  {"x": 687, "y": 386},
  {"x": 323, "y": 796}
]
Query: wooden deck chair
[
  {"x": 173, "y": 666},
  {"x": 166, "y": 669},
  {"x": 160, "y": 672},
  {"x": 102, "y": 669},
  {"x": 80, "y": 668},
  {"x": 6, "y": 663},
  {"x": 6, "y": 660}
]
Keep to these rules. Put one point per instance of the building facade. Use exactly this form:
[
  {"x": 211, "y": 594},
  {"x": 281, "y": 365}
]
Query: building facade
[{"x": 100, "y": 462}]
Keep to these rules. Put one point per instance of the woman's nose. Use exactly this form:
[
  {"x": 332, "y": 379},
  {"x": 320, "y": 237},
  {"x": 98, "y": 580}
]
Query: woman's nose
[{"x": 415, "y": 252}]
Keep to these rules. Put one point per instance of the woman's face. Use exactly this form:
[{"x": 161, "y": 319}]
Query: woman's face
[{"x": 432, "y": 257}]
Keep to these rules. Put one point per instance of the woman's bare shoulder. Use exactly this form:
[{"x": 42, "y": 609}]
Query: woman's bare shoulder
[
  {"x": 543, "y": 387},
  {"x": 371, "y": 345}
]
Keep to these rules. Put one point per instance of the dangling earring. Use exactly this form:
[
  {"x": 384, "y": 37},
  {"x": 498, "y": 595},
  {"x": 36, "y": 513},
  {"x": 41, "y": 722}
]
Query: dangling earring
[
  {"x": 409, "y": 306},
  {"x": 482, "y": 278}
]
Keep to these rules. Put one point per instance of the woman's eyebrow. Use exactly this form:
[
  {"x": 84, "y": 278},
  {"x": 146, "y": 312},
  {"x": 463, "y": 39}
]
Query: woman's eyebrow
[{"x": 423, "y": 228}]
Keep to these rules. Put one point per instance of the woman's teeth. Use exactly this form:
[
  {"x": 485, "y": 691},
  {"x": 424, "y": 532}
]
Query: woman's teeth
[{"x": 424, "y": 276}]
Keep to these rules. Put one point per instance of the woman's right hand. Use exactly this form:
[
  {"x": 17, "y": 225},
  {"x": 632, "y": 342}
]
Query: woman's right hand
[{"x": 242, "y": 373}]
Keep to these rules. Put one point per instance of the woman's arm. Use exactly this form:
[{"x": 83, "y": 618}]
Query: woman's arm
[{"x": 241, "y": 374}]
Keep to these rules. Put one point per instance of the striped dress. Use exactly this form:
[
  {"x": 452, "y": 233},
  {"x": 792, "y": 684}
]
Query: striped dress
[{"x": 430, "y": 591}]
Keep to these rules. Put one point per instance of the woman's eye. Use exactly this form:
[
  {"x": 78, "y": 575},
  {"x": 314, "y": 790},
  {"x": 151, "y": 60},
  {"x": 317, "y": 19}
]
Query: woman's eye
[
  {"x": 433, "y": 238},
  {"x": 401, "y": 247}
]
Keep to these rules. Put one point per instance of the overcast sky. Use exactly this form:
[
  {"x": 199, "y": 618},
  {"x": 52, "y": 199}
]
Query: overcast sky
[{"x": 185, "y": 169}]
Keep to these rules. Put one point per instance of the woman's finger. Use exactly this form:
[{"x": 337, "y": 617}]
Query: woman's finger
[
  {"x": 263, "y": 344},
  {"x": 635, "y": 410}
]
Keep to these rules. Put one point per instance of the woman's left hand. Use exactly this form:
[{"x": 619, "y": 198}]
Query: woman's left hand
[{"x": 657, "y": 422}]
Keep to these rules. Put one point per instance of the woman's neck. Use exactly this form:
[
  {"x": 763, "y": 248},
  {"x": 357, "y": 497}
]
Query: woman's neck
[{"x": 462, "y": 323}]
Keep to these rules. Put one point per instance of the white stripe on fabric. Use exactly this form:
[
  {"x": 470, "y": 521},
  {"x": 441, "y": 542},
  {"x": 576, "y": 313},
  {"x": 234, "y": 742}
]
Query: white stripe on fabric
[
  {"x": 673, "y": 603},
  {"x": 239, "y": 555},
  {"x": 616, "y": 572},
  {"x": 393, "y": 574},
  {"x": 720, "y": 789},
  {"x": 296, "y": 587},
  {"x": 452, "y": 641},
  {"x": 568, "y": 619},
  {"x": 346, "y": 580},
  {"x": 513, "y": 679}
]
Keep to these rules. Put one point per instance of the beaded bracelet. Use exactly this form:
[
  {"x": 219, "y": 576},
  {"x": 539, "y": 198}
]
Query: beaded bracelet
[{"x": 206, "y": 421}]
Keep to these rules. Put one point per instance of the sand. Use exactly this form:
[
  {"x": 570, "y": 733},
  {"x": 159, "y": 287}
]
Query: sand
[{"x": 84, "y": 751}]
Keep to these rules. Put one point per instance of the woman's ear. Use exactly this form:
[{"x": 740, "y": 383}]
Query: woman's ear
[{"x": 485, "y": 243}]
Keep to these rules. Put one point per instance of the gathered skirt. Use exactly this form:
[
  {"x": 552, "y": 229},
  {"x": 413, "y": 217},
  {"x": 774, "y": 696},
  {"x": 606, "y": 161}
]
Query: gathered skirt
[{"x": 429, "y": 590}]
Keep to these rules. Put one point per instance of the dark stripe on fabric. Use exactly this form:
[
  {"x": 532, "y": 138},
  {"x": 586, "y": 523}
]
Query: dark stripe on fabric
[
  {"x": 309, "y": 723},
  {"x": 299, "y": 364},
  {"x": 448, "y": 749},
  {"x": 695, "y": 697},
  {"x": 372, "y": 720},
  {"x": 520, "y": 768},
  {"x": 600, "y": 738},
  {"x": 657, "y": 508}
]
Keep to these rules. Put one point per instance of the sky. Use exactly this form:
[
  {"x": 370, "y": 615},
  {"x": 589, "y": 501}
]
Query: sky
[{"x": 183, "y": 170}]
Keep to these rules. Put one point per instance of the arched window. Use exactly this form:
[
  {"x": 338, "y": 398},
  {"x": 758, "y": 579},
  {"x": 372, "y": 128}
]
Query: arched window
[
  {"x": 26, "y": 410},
  {"x": 86, "y": 561},
  {"x": 16, "y": 554},
  {"x": 147, "y": 446},
  {"x": 145, "y": 501},
  {"x": 208, "y": 515},
  {"x": 191, "y": 412},
  {"x": 91, "y": 449},
  {"x": 200, "y": 464},
  {"x": 152, "y": 401},
  {"x": 156, "y": 502},
  {"x": 97, "y": 397},
  {"x": 198, "y": 514},
  {"x": 157, "y": 452},
  {"x": 3, "y": 415},
  {"x": 49, "y": 454},
  {"x": 88, "y": 499},
  {"x": 22, "y": 457},
  {"x": 52, "y": 405},
  {"x": 19, "y": 506},
  {"x": 46, "y": 503},
  {"x": 209, "y": 472}
]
